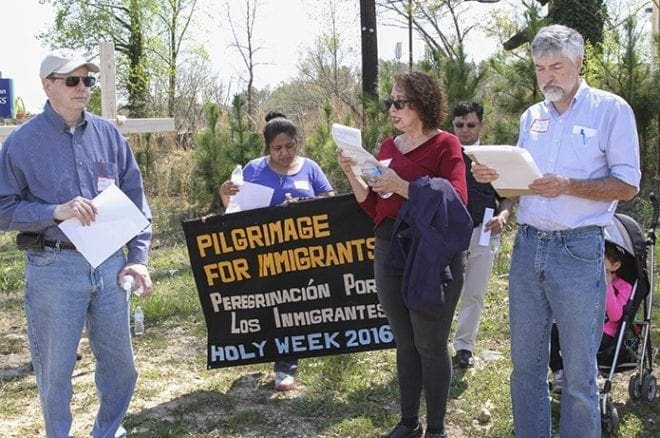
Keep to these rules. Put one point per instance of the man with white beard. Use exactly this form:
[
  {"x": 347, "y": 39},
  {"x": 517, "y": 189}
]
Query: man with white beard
[{"x": 585, "y": 142}]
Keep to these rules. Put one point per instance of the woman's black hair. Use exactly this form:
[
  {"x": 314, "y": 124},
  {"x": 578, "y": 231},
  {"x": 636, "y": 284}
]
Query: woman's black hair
[
  {"x": 617, "y": 254},
  {"x": 277, "y": 123}
]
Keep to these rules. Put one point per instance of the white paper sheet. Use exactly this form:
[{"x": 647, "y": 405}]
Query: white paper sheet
[
  {"x": 350, "y": 141},
  {"x": 118, "y": 220},
  {"x": 484, "y": 237},
  {"x": 515, "y": 166},
  {"x": 249, "y": 197}
]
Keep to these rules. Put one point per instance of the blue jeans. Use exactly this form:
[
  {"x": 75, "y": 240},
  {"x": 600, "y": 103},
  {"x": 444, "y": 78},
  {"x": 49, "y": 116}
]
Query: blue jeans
[
  {"x": 556, "y": 276},
  {"x": 286, "y": 366},
  {"x": 62, "y": 293}
]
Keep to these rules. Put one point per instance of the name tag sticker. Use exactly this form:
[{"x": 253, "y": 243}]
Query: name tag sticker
[
  {"x": 540, "y": 125},
  {"x": 103, "y": 183},
  {"x": 301, "y": 185}
]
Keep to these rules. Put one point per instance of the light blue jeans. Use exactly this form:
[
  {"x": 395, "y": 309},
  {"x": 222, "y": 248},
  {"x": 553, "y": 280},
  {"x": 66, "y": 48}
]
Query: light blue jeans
[
  {"x": 556, "y": 276},
  {"x": 62, "y": 293}
]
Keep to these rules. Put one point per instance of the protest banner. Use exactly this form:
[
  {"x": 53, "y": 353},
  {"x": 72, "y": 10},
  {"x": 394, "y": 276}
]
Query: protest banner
[{"x": 287, "y": 282}]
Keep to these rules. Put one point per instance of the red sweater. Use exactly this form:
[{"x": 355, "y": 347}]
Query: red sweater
[{"x": 439, "y": 156}]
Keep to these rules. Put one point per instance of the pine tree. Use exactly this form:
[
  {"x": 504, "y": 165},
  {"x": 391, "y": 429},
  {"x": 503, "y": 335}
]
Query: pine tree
[{"x": 209, "y": 158}]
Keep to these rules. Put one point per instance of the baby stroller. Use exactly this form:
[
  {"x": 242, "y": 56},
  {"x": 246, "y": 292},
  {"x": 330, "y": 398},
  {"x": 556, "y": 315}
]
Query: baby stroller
[{"x": 632, "y": 349}]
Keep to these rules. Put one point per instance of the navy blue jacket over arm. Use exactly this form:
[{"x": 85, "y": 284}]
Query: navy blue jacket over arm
[{"x": 433, "y": 225}]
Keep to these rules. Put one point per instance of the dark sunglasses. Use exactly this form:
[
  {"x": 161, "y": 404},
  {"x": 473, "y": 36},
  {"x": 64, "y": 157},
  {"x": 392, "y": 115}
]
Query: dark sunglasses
[
  {"x": 459, "y": 125},
  {"x": 73, "y": 81},
  {"x": 398, "y": 104}
]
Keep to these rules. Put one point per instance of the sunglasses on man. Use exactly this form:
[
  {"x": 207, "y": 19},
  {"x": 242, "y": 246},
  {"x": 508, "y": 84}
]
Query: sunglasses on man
[
  {"x": 460, "y": 125},
  {"x": 398, "y": 104},
  {"x": 73, "y": 81}
]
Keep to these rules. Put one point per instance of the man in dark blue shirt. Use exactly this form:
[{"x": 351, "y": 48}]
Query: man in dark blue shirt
[
  {"x": 468, "y": 121},
  {"x": 51, "y": 168}
]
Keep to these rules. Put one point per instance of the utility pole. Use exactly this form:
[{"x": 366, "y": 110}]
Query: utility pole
[
  {"x": 369, "y": 48},
  {"x": 655, "y": 28},
  {"x": 410, "y": 36}
]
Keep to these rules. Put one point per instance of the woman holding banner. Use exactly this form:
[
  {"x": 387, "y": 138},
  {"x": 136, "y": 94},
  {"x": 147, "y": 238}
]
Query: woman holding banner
[
  {"x": 418, "y": 267},
  {"x": 292, "y": 177}
]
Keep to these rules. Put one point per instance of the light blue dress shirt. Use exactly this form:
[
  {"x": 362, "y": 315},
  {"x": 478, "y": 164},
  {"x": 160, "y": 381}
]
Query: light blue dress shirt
[
  {"x": 595, "y": 137},
  {"x": 43, "y": 163}
]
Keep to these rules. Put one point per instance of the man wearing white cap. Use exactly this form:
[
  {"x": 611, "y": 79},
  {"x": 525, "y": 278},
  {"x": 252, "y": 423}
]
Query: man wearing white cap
[{"x": 51, "y": 168}]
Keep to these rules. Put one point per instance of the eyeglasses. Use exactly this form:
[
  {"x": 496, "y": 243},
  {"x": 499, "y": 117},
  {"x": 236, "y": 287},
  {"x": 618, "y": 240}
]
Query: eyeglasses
[
  {"x": 73, "y": 81},
  {"x": 398, "y": 104},
  {"x": 460, "y": 125}
]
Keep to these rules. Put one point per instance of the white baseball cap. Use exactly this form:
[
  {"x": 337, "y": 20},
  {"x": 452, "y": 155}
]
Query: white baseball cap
[{"x": 64, "y": 61}]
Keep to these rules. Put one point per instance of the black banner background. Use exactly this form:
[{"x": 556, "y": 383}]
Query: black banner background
[{"x": 326, "y": 280}]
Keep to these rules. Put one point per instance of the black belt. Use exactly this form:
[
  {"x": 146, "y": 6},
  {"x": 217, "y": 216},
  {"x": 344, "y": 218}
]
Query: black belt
[
  {"x": 35, "y": 241},
  {"x": 60, "y": 244}
]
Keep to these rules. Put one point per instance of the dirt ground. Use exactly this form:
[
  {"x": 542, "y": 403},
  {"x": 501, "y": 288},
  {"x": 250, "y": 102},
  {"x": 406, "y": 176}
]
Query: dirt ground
[{"x": 177, "y": 396}]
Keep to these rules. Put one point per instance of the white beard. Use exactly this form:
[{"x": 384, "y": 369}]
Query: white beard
[{"x": 553, "y": 96}]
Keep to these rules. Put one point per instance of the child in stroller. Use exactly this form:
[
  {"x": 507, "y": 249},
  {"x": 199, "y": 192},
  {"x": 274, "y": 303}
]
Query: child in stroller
[{"x": 619, "y": 272}]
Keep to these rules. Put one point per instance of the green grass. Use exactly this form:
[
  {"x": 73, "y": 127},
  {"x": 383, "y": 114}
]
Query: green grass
[
  {"x": 346, "y": 395},
  {"x": 11, "y": 263}
]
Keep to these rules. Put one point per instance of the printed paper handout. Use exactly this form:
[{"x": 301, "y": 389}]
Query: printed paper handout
[
  {"x": 350, "y": 141},
  {"x": 249, "y": 197},
  {"x": 515, "y": 166},
  {"x": 118, "y": 220}
]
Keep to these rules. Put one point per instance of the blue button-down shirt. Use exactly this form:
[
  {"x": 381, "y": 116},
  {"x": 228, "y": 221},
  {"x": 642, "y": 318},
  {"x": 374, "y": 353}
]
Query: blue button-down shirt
[
  {"x": 44, "y": 163},
  {"x": 594, "y": 138}
]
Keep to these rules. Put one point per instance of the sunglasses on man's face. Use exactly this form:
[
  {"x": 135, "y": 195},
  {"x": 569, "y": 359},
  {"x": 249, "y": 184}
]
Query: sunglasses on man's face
[
  {"x": 460, "y": 125},
  {"x": 398, "y": 104},
  {"x": 73, "y": 81}
]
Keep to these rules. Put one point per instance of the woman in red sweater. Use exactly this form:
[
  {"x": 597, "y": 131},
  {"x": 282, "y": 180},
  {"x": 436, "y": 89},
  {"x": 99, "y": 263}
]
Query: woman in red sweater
[{"x": 417, "y": 109}]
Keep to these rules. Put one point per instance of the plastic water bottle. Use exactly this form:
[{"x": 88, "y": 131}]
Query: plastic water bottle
[
  {"x": 237, "y": 179},
  {"x": 138, "y": 321},
  {"x": 495, "y": 242},
  {"x": 237, "y": 175},
  {"x": 369, "y": 175},
  {"x": 127, "y": 282}
]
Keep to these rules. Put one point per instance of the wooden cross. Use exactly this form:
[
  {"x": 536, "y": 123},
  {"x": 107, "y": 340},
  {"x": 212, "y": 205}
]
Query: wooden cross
[{"x": 109, "y": 101}]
